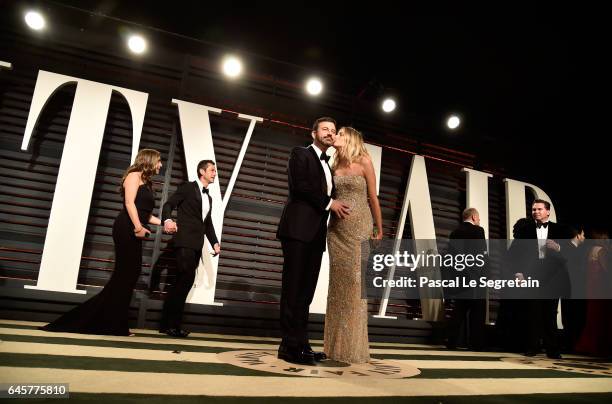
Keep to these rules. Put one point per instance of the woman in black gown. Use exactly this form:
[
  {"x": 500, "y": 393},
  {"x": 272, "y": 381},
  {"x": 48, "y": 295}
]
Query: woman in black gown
[{"x": 107, "y": 312}]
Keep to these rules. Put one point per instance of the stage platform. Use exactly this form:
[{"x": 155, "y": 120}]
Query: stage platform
[{"x": 229, "y": 368}]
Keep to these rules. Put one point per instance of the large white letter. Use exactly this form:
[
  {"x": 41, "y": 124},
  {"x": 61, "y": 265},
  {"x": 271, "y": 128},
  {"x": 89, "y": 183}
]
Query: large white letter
[
  {"x": 516, "y": 209},
  {"x": 198, "y": 145},
  {"x": 477, "y": 195},
  {"x": 417, "y": 201},
  {"x": 59, "y": 267}
]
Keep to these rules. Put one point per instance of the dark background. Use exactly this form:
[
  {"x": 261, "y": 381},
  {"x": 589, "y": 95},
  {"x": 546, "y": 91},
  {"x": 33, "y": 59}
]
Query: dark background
[{"x": 528, "y": 80}]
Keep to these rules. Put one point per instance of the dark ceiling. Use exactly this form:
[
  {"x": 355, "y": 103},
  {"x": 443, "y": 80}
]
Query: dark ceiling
[{"x": 528, "y": 79}]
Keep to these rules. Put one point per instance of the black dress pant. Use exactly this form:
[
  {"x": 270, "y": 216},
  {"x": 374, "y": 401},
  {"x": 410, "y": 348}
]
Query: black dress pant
[
  {"x": 302, "y": 263},
  {"x": 541, "y": 324},
  {"x": 474, "y": 310},
  {"x": 187, "y": 261},
  {"x": 509, "y": 326},
  {"x": 573, "y": 313}
]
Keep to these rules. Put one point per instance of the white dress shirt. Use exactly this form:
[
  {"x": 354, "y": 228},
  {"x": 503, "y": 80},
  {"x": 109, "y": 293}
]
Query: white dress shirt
[
  {"x": 327, "y": 171},
  {"x": 542, "y": 237},
  {"x": 205, "y": 202}
]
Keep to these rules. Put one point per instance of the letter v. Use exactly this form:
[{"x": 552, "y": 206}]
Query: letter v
[{"x": 197, "y": 146}]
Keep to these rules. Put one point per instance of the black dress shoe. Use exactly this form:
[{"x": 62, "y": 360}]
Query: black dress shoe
[
  {"x": 294, "y": 356},
  {"x": 175, "y": 332},
  {"x": 184, "y": 333},
  {"x": 554, "y": 355},
  {"x": 318, "y": 356},
  {"x": 286, "y": 356},
  {"x": 305, "y": 358},
  {"x": 530, "y": 353}
]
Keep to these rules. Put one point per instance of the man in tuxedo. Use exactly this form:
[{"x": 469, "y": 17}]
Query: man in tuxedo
[
  {"x": 536, "y": 253},
  {"x": 302, "y": 230},
  {"x": 193, "y": 224},
  {"x": 573, "y": 310},
  {"x": 468, "y": 238}
]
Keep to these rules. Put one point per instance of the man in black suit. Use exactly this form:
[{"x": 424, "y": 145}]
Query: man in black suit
[
  {"x": 573, "y": 311},
  {"x": 536, "y": 253},
  {"x": 194, "y": 219},
  {"x": 468, "y": 238},
  {"x": 302, "y": 230}
]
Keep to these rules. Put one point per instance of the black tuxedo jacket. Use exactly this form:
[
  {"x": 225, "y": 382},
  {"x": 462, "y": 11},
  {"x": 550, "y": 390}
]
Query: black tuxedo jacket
[
  {"x": 550, "y": 271},
  {"x": 191, "y": 227},
  {"x": 576, "y": 268},
  {"x": 468, "y": 238},
  {"x": 304, "y": 212}
]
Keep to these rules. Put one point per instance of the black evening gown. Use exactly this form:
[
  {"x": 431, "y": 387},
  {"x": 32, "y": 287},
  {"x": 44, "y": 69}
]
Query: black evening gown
[{"x": 107, "y": 312}]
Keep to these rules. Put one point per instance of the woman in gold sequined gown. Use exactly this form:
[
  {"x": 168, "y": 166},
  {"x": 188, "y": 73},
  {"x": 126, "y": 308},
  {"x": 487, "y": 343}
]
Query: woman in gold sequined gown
[{"x": 346, "y": 319}]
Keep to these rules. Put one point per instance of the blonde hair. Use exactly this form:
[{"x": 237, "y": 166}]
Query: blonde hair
[
  {"x": 353, "y": 149},
  {"x": 146, "y": 162}
]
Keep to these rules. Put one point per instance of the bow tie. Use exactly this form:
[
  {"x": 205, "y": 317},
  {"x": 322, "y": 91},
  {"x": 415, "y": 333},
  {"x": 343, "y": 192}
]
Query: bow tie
[
  {"x": 324, "y": 157},
  {"x": 205, "y": 190},
  {"x": 545, "y": 225}
]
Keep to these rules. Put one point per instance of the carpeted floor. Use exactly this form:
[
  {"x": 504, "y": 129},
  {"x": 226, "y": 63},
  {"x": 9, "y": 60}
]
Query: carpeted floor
[{"x": 157, "y": 368}]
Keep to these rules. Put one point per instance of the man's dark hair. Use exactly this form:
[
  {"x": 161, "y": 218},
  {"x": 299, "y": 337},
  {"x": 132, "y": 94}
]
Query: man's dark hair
[
  {"x": 316, "y": 123},
  {"x": 204, "y": 165},
  {"x": 546, "y": 203},
  {"x": 520, "y": 224},
  {"x": 575, "y": 229}
]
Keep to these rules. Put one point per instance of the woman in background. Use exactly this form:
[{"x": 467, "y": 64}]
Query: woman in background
[
  {"x": 596, "y": 338},
  {"x": 107, "y": 312}
]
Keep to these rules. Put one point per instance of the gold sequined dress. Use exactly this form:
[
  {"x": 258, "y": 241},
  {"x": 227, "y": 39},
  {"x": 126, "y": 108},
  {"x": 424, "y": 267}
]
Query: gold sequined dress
[{"x": 346, "y": 319}]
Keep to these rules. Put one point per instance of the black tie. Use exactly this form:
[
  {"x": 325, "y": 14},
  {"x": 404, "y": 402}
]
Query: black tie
[
  {"x": 545, "y": 225},
  {"x": 324, "y": 157},
  {"x": 205, "y": 190}
]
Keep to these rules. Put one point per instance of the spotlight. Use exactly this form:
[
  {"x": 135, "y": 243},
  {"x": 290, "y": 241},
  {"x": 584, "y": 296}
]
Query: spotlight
[
  {"x": 453, "y": 122},
  {"x": 232, "y": 66},
  {"x": 388, "y": 105},
  {"x": 35, "y": 20},
  {"x": 137, "y": 44},
  {"x": 314, "y": 86}
]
